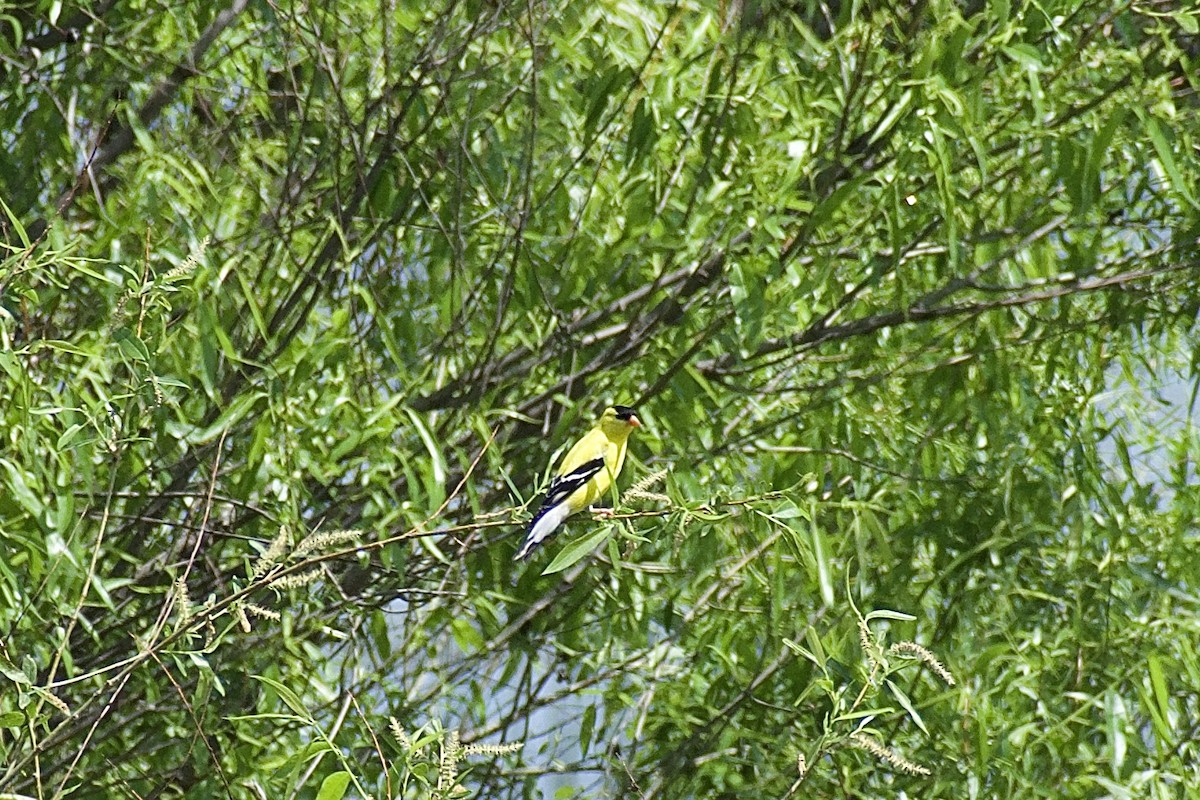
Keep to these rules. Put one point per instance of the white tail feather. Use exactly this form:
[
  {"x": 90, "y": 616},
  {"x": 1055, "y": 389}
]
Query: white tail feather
[{"x": 542, "y": 527}]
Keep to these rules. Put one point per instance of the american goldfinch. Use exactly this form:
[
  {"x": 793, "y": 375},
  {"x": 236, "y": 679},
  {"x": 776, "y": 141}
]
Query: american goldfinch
[{"x": 584, "y": 476}]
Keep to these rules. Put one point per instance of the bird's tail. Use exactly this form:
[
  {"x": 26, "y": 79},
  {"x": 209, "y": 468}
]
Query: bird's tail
[{"x": 544, "y": 524}]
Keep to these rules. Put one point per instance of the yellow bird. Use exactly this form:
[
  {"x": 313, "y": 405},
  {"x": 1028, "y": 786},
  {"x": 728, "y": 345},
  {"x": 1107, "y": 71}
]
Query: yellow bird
[{"x": 584, "y": 476}]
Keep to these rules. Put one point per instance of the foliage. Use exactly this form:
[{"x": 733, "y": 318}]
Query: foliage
[{"x": 296, "y": 303}]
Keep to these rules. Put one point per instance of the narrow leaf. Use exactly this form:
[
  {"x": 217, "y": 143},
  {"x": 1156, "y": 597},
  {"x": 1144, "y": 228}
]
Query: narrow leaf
[
  {"x": 586, "y": 725},
  {"x": 290, "y": 698},
  {"x": 907, "y": 705},
  {"x": 824, "y": 570},
  {"x": 576, "y": 550},
  {"x": 1158, "y": 683},
  {"x": 1116, "y": 720},
  {"x": 1166, "y": 157}
]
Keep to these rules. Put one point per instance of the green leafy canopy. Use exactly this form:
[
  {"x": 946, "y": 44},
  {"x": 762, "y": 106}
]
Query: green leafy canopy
[{"x": 298, "y": 303}]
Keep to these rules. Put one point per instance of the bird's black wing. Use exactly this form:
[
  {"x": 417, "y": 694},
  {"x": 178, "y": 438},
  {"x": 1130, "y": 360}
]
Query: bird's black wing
[{"x": 563, "y": 486}]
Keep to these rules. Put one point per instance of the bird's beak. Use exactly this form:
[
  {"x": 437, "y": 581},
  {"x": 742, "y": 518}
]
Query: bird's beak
[{"x": 634, "y": 422}]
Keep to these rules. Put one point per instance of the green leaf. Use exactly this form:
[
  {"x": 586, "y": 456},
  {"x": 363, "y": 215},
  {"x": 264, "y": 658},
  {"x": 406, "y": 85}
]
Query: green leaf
[
  {"x": 13, "y": 220},
  {"x": 883, "y": 613},
  {"x": 814, "y": 645},
  {"x": 894, "y": 112},
  {"x": 1187, "y": 22},
  {"x": 907, "y": 705},
  {"x": 334, "y": 786},
  {"x": 1026, "y": 55},
  {"x": 1166, "y": 156},
  {"x": 12, "y": 673},
  {"x": 586, "y": 725},
  {"x": 601, "y": 91},
  {"x": 19, "y": 489},
  {"x": 466, "y": 635},
  {"x": 290, "y": 698},
  {"x": 12, "y": 719},
  {"x": 437, "y": 460},
  {"x": 1116, "y": 721},
  {"x": 830, "y": 205},
  {"x": 1097, "y": 153},
  {"x": 1158, "y": 685},
  {"x": 820, "y": 546},
  {"x": 865, "y": 713},
  {"x": 240, "y": 407},
  {"x": 68, "y": 436},
  {"x": 747, "y": 297},
  {"x": 81, "y": 265},
  {"x": 10, "y": 364},
  {"x": 641, "y": 132},
  {"x": 131, "y": 346},
  {"x": 577, "y": 550},
  {"x": 251, "y": 302},
  {"x": 794, "y": 647},
  {"x": 101, "y": 587}
]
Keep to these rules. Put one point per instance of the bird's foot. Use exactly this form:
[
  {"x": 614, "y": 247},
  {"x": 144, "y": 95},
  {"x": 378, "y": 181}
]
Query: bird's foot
[{"x": 601, "y": 513}]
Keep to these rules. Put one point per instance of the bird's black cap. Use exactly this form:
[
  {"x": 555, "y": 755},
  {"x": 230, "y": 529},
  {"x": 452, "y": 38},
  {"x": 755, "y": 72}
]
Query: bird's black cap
[{"x": 624, "y": 413}]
